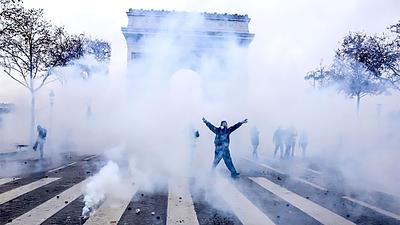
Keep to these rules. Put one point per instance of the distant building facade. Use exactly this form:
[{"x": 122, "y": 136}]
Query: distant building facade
[
  {"x": 215, "y": 29},
  {"x": 5, "y": 108}
]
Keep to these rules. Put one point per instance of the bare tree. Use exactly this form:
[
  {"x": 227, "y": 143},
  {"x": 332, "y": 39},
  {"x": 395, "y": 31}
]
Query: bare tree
[
  {"x": 26, "y": 42},
  {"x": 31, "y": 47},
  {"x": 364, "y": 65},
  {"x": 349, "y": 77},
  {"x": 73, "y": 47}
]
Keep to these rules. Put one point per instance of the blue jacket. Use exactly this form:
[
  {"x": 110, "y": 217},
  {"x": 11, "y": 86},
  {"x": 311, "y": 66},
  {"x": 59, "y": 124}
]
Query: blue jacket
[
  {"x": 222, "y": 134},
  {"x": 42, "y": 133}
]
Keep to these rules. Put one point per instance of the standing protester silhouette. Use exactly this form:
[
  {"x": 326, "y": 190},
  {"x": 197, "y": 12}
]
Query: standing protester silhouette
[
  {"x": 278, "y": 140},
  {"x": 221, "y": 143},
  {"x": 194, "y": 136},
  {"x": 255, "y": 141},
  {"x": 290, "y": 135},
  {"x": 41, "y": 139},
  {"x": 303, "y": 143}
]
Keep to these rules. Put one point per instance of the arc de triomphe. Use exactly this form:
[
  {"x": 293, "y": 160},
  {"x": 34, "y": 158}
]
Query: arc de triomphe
[{"x": 214, "y": 30}]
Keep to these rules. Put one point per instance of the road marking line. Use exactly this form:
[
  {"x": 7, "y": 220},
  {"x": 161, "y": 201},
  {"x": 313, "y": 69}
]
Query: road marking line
[
  {"x": 14, "y": 193},
  {"x": 379, "y": 210},
  {"x": 295, "y": 178},
  {"x": 303, "y": 167},
  {"x": 313, "y": 171},
  {"x": 111, "y": 209},
  {"x": 6, "y": 180},
  {"x": 61, "y": 167},
  {"x": 397, "y": 195},
  {"x": 180, "y": 209},
  {"x": 47, "y": 209},
  {"x": 243, "y": 208},
  {"x": 372, "y": 189},
  {"x": 311, "y": 184},
  {"x": 386, "y": 192},
  {"x": 316, "y": 211},
  {"x": 266, "y": 166},
  {"x": 90, "y": 157}
]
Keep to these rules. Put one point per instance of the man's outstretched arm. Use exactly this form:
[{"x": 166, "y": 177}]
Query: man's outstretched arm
[
  {"x": 236, "y": 126},
  {"x": 210, "y": 126}
]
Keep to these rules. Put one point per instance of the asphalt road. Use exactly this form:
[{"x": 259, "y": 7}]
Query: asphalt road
[{"x": 266, "y": 193}]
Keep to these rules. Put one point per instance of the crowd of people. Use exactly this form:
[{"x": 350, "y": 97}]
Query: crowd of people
[{"x": 284, "y": 141}]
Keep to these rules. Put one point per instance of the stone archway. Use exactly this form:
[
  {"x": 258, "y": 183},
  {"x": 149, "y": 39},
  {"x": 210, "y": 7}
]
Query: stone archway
[{"x": 213, "y": 32}]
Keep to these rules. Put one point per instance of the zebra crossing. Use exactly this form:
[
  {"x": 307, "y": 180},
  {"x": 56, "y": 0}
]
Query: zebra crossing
[
  {"x": 112, "y": 209},
  {"x": 7, "y": 196},
  {"x": 319, "y": 187},
  {"x": 318, "y": 212},
  {"x": 180, "y": 205},
  {"x": 40, "y": 213},
  {"x": 180, "y": 208},
  {"x": 7, "y": 180},
  {"x": 247, "y": 212}
]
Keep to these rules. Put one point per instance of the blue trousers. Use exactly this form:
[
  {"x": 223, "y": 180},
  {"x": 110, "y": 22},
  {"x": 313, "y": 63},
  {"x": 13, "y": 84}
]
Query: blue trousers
[{"x": 223, "y": 153}]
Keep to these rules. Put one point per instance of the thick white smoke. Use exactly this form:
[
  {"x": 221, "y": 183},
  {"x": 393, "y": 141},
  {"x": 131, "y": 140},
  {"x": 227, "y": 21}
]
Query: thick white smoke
[{"x": 142, "y": 117}]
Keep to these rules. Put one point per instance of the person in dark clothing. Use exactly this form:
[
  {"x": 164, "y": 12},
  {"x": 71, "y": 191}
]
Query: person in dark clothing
[
  {"x": 303, "y": 143},
  {"x": 255, "y": 141},
  {"x": 278, "y": 140},
  {"x": 290, "y": 136},
  {"x": 221, "y": 143},
  {"x": 194, "y": 138},
  {"x": 41, "y": 138}
]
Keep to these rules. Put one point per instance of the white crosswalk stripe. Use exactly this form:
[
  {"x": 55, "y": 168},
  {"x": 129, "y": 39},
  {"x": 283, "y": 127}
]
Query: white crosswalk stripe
[
  {"x": 314, "y": 171},
  {"x": 375, "y": 208},
  {"x": 14, "y": 193},
  {"x": 283, "y": 173},
  {"x": 111, "y": 210},
  {"x": 61, "y": 167},
  {"x": 7, "y": 180},
  {"x": 316, "y": 211},
  {"x": 44, "y": 211},
  {"x": 90, "y": 157},
  {"x": 384, "y": 212},
  {"x": 310, "y": 183},
  {"x": 244, "y": 209},
  {"x": 180, "y": 207},
  {"x": 180, "y": 204}
]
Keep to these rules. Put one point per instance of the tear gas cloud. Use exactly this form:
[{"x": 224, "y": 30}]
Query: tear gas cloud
[{"x": 141, "y": 117}]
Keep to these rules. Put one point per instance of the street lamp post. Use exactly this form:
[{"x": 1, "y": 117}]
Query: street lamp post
[
  {"x": 379, "y": 109},
  {"x": 51, "y": 98}
]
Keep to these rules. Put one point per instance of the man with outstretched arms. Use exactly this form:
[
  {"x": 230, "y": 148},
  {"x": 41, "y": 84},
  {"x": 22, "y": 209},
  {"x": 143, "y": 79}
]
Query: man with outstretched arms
[{"x": 221, "y": 142}]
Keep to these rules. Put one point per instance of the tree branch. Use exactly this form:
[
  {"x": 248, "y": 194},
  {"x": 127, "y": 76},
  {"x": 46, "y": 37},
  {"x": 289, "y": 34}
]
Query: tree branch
[
  {"x": 44, "y": 82},
  {"x": 13, "y": 55},
  {"x": 9, "y": 74}
]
